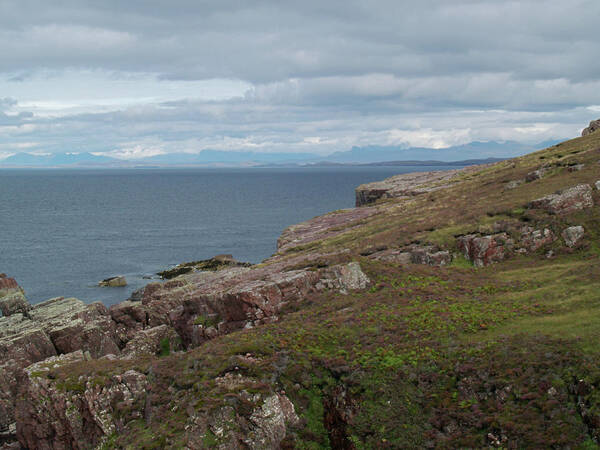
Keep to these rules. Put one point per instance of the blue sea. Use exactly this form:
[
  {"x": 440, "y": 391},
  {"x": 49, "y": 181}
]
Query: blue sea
[{"x": 61, "y": 231}]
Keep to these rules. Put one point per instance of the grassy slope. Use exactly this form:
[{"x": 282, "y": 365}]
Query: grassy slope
[{"x": 444, "y": 357}]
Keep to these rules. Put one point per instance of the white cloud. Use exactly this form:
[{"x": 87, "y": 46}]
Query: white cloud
[{"x": 293, "y": 76}]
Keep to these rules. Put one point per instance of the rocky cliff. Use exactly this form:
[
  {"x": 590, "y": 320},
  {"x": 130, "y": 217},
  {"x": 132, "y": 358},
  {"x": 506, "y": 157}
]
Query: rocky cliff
[{"x": 451, "y": 309}]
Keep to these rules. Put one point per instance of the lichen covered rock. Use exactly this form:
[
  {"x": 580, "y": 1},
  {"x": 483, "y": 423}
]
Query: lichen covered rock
[
  {"x": 567, "y": 201},
  {"x": 485, "y": 250},
  {"x": 573, "y": 235}
]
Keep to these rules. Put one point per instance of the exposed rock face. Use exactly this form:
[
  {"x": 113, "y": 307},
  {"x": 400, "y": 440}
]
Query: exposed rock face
[
  {"x": 321, "y": 227},
  {"x": 405, "y": 185},
  {"x": 485, "y": 250},
  {"x": 57, "y": 326},
  {"x": 532, "y": 239},
  {"x": 594, "y": 126},
  {"x": 265, "y": 428},
  {"x": 573, "y": 235},
  {"x": 566, "y": 201},
  {"x": 51, "y": 418},
  {"x": 118, "y": 281},
  {"x": 153, "y": 341},
  {"x": 73, "y": 325}
]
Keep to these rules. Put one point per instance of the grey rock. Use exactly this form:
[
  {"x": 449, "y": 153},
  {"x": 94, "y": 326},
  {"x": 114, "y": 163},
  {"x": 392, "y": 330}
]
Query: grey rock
[
  {"x": 594, "y": 126},
  {"x": 536, "y": 174},
  {"x": 514, "y": 184},
  {"x": 118, "y": 281},
  {"x": 575, "y": 167},
  {"x": 573, "y": 235}
]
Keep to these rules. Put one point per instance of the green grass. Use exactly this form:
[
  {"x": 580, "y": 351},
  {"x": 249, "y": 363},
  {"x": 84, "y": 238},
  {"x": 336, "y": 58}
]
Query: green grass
[{"x": 443, "y": 357}]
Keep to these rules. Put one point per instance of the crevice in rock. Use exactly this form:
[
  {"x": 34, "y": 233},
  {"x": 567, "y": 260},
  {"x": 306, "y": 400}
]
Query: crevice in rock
[{"x": 338, "y": 411}]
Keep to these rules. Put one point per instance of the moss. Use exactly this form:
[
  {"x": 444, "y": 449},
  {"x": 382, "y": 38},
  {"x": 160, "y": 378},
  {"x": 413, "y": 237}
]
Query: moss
[{"x": 207, "y": 320}]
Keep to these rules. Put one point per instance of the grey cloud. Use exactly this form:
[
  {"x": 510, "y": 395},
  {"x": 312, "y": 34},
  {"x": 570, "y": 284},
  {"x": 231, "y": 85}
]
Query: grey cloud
[
  {"x": 273, "y": 40},
  {"x": 325, "y": 75}
]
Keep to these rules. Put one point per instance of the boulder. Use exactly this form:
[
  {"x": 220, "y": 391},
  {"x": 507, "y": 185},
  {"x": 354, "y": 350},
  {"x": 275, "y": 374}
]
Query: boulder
[
  {"x": 344, "y": 278},
  {"x": 573, "y": 235},
  {"x": 594, "y": 126},
  {"x": 597, "y": 185},
  {"x": 566, "y": 201},
  {"x": 513, "y": 184},
  {"x": 485, "y": 250},
  {"x": 215, "y": 263},
  {"x": 118, "y": 281},
  {"x": 536, "y": 174}
]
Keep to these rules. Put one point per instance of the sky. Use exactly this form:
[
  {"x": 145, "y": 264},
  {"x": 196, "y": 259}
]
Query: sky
[{"x": 137, "y": 78}]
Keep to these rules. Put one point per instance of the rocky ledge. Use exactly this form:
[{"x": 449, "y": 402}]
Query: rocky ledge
[{"x": 175, "y": 315}]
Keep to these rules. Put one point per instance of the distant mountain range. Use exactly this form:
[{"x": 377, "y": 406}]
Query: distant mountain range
[{"x": 471, "y": 153}]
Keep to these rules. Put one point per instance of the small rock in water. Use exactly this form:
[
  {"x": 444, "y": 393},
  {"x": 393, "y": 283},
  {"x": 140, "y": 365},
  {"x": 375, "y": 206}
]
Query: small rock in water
[{"x": 118, "y": 281}]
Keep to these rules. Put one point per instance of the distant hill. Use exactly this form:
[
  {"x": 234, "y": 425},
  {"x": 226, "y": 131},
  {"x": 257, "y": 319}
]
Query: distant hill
[
  {"x": 57, "y": 159},
  {"x": 472, "y": 150},
  {"x": 390, "y": 155}
]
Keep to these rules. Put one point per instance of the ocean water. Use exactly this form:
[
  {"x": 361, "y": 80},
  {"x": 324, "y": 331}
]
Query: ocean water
[{"x": 61, "y": 231}]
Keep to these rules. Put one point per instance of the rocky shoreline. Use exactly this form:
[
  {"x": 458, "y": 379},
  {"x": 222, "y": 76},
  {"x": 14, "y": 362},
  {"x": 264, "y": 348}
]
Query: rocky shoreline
[{"x": 203, "y": 300}]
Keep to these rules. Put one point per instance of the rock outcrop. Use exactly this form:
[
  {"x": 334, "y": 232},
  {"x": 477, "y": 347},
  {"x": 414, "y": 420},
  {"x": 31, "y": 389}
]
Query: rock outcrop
[
  {"x": 536, "y": 174},
  {"x": 215, "y": 263},
  {"x": 431, "y": 255},
  {"x": 50, "y": 417},
  {"x": 566, "y": 201},
  {"x": 485, "y": 250},
  {"x": 405, "y": 185},
  {"x": 118, "y": 281},
  {"x": 322, "y": 227},
  {"x": 12, "y": 297},
  {"x": 532, "y": 239},
  {"x": 593, "y": 126}
]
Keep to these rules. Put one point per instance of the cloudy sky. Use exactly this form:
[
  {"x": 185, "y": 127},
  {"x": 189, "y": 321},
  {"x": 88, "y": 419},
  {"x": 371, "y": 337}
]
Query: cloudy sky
[{"x": 143, "y": 77}]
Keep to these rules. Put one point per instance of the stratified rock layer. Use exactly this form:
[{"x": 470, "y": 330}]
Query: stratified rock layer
[{"x": 405, "y": 185}]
